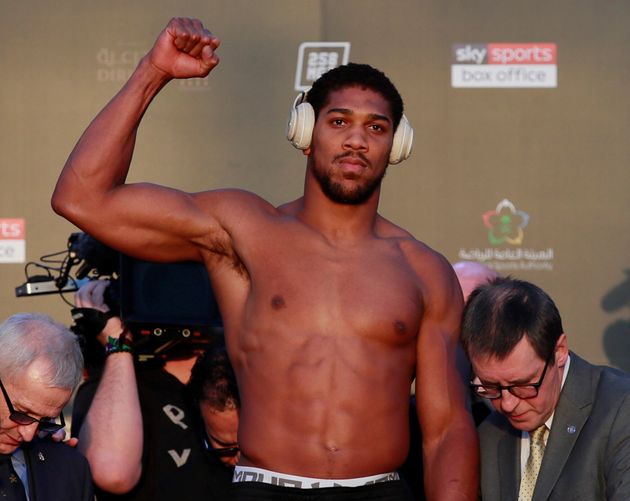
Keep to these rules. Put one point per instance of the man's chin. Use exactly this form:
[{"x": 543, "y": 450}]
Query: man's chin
[
  {"x": 8, "y": 449},
  {"x": 349, "y": 195},
  {"x": 348, "y": 190},
  {"x": 524, "y": 424}
]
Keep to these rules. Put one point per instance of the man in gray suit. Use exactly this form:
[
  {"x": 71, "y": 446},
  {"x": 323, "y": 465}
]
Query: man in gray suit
[
  {"x": 40, "y": 365},
  {"x": 562, "y": 426}
]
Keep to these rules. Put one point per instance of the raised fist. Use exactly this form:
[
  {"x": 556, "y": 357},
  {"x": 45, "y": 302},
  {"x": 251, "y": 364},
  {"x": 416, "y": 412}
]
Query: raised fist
[{"x": 185, "y": 49}]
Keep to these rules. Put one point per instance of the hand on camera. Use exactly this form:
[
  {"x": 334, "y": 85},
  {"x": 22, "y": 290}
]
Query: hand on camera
[{"x": 92, "y": 295}]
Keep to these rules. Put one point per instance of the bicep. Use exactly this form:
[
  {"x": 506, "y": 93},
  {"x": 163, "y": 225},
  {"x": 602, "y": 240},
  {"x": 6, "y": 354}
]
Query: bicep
[
  {"x": 153, "y": 222},
  {"x": 162, "y": 224},
  {"x": 440, "y": 365}
]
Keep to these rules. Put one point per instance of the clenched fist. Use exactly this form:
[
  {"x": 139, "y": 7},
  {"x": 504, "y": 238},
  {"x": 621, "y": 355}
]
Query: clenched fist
[{"x": 185, "y": 49}]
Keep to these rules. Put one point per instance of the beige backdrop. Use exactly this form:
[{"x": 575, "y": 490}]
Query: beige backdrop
[{"x": 559, "y": 155}]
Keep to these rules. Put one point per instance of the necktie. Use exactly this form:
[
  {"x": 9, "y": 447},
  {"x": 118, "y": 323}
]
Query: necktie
[
  {"x": 536, "y": 452},
  {"x": 11, "y": 488}
]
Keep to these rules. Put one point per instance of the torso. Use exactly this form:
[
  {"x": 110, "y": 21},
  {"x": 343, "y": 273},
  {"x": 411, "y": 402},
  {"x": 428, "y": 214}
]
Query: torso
[{"x": 323, "y": 340}]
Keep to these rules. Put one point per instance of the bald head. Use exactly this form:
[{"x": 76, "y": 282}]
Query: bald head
[{"x": 471, "y": 274}]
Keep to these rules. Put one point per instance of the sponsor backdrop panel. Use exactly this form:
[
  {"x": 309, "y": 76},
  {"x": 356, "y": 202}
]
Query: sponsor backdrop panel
[{"x": 521, "y": 113}]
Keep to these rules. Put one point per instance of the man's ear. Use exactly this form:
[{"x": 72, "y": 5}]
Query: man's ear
[
  {"x": 307, "y": 151},
  {"x": 562, "y": 350}
]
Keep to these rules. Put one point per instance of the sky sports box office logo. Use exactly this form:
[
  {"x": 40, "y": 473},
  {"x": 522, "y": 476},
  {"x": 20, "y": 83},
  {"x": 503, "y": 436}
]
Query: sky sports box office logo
[{"x": 504, "y": 65}]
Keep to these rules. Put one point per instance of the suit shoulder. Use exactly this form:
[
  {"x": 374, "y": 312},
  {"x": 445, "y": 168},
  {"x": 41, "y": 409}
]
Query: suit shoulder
[
  {"x": 605, "y": 380},
  {"x": 615, "y": 377},
  {"x": 613, "y": 388},
  {"x": 57, "y": 450},
  {"x": 594, "y": 384}
]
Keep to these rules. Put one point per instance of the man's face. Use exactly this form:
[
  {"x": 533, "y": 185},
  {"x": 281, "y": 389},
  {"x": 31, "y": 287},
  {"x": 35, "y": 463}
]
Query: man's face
[
  {"x": 524, "y": 366},
  {"x": 221, "y": 430},
  {"x": 351, "y": 142},
  {"x": 31, "y": 395}
]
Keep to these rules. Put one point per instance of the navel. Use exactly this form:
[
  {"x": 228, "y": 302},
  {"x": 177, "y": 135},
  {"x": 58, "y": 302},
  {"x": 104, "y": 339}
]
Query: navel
[{"x": 277, "y": 302}]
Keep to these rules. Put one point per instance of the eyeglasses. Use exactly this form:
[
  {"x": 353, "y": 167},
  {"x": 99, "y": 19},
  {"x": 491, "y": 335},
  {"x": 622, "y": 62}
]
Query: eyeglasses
[
  {"x": 220, "y": 452},
  {"x": 493, "y": 391},
  {"x": 45, "y": 424}
]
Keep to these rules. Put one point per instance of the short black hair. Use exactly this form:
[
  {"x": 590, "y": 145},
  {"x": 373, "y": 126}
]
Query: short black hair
[
  {"x": 355, "y": 75},
  {"x": 212, "y": 380},
  {"x": 498, "y": 314}
]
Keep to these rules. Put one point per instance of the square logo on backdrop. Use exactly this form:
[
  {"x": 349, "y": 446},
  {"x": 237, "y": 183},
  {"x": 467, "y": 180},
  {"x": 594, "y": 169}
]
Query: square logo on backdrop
[{"x": 316, "y": 58}]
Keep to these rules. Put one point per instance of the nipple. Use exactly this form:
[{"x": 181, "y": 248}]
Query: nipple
[{"x": 277, "y": 302}]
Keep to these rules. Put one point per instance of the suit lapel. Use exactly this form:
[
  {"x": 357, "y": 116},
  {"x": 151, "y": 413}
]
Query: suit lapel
[
  {"x": 43, "y": 473},
  {"x": 572, "y": 411},
  {"x": 509, "y": 474},
  {"x": 30, "y": 471}
]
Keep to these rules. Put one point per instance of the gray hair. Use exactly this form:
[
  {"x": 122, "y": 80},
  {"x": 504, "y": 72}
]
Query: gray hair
[{"x": 27, "y": 337}]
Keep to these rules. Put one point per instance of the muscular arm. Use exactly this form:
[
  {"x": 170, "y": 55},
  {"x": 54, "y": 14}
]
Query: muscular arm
[
  {"x": 145, "y": 220},
  {"x": 111, "y": 436},
  {"x": 449, "y": 440}
]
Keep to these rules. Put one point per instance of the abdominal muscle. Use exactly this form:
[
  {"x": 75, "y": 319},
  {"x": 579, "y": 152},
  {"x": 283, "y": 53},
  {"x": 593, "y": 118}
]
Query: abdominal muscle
[{"x": 330, "y": 406}]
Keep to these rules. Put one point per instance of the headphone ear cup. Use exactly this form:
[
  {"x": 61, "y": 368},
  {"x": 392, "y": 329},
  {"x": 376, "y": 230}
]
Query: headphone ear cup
[
  {"x": 403, "y": 142},
  {"x": 300, "y": 125}
]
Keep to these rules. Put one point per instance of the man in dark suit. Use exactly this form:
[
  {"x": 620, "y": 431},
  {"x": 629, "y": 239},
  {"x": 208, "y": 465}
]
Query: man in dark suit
[
  {"x": 40, "y": 365},
  {"x": 562, "y": 426}
]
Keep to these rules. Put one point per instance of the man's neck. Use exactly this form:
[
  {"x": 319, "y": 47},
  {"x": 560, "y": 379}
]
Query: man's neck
[
  {"x": 180, "y": 368},
  {"x": 337, "y": 222}
]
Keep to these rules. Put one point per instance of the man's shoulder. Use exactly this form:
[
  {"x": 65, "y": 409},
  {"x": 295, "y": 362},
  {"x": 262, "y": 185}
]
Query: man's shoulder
[
  {"x": 417, "y": 252},
  {"x": 613, "y": 383},
  {"x": 605, "y": 379},
  {"x": 58, "y": 471},
  {"x": 603, "y": 390},
  {"x": 432, "y": 268},
  {"x": 48, "y": 445},
  {"x": 244, "y": 205},
  {"x": 48, "y": 450}
]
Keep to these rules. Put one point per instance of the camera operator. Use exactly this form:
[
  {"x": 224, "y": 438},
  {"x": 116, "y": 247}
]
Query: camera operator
[{"x": 136, "y": 425}]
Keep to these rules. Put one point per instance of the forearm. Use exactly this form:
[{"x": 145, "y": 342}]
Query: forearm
[
  {"x": 451, "y": 465},
  {"x": 111, "y": 436}
]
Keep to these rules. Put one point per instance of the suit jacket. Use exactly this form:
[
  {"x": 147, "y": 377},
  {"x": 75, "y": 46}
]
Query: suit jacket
[
  {"x": 587, "y": 456},
  {"x": 57, "y": 472}
]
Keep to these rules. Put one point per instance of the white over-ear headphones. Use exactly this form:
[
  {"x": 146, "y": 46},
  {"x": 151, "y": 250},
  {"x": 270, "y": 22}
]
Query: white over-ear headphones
[{"x": 302, "y": 120}]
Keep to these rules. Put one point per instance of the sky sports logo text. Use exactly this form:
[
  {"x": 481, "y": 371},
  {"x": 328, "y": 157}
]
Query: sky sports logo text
[
  {"x": 504, "y": 53},
  {"x": 508, "y": 65}
]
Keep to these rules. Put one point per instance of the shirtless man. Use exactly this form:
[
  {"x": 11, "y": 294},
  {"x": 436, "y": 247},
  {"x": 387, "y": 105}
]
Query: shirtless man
[{"x": 329, "y": 309}]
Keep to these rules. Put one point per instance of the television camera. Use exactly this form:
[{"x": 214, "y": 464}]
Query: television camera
[{"x": 168, "y": 307}]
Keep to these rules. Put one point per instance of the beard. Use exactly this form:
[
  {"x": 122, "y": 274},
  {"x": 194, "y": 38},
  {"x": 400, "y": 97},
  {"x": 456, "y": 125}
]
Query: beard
[{"x": 337, "y": 193}]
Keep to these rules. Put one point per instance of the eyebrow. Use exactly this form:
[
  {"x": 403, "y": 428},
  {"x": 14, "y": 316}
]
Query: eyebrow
[
  {"x": 32, "y": 414},
  {"x": 347, "y": 111},
  {"x": 221, "y": 442},
  {"x": 522, "y": 381}
]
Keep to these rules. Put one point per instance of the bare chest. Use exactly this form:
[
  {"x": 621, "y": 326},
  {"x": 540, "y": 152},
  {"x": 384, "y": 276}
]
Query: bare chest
[{"x": 368, "y": 291}]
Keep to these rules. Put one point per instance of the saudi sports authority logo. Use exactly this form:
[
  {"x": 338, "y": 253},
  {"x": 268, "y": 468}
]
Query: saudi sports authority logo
[
  {"x": 505, "y": 224},
  {"x": 505, "y": 227}
]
